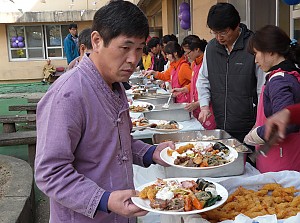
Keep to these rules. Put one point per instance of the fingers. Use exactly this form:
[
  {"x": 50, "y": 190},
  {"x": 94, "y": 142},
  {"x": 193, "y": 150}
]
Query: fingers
[{"x": 120, "y": 202}]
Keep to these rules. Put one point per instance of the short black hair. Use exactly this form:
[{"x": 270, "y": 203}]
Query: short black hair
[
  {"x": 84, "y": 38},
  {"x": 193, "y": 42},
  {"x": 173, "y": 47},
  {"x": 73, "y": 25},
  {"x": 120, "y": 18},
  {"x": 222, "y": 16},
  {"x": 153, "y": 42},
  {"x": 167, "y": 38}
]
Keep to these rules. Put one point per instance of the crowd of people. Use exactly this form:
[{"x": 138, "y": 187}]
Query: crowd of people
[{"x": 243, "y": 82}]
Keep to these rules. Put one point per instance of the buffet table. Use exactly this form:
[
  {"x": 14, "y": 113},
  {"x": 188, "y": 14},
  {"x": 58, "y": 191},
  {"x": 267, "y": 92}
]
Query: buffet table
[{"x": 146, "y": 175}]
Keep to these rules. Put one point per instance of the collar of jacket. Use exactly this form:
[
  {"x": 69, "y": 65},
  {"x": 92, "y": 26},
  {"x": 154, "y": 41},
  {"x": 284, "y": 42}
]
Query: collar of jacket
[
  {"x": 240, "y": 42},
  {"x": 175, "y": 64},
  {"x": 198, "y": 60}
]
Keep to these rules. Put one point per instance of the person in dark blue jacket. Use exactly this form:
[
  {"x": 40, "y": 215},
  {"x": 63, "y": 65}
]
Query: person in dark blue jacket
[{"x": 71, "y": 43}]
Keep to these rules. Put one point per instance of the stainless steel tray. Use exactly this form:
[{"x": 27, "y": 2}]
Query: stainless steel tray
[
  {"x": 156, "y": 99},
  {"x": 174, "y": 112},
  {"x": 235, "y": 168}
]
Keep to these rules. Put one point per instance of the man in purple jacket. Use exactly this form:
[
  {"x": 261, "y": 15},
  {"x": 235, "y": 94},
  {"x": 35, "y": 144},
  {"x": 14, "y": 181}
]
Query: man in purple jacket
[{"x": 85, "y": 151}]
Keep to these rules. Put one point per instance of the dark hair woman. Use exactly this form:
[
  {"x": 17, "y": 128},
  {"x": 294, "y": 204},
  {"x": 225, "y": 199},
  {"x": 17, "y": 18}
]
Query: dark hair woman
[
  {"x": 179, "y": 73},
  {"x": 277, "y": 55}
]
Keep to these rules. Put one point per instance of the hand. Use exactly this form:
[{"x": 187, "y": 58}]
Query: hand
[
  {"x": 204, "y": 114},
  {"x": 178, "y": 91},
  {"x": 278, "y": 120},
  {"x": 191, "y": 106},
  {"x": 156, "y": 155},
  {"x": 147, "y": 73},
  {"x": 253, "y": 139},
  {"x": 120, "y": 203}
]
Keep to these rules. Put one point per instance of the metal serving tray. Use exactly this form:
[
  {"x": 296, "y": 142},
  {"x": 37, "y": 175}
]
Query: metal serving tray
[
  {"x": 235, "y": 168},
  {"x": 175, "y": 112},
  {"x": 156, "y": 99}
]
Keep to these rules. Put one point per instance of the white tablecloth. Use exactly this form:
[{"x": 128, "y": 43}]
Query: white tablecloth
[{"x": 146, "y": 175}]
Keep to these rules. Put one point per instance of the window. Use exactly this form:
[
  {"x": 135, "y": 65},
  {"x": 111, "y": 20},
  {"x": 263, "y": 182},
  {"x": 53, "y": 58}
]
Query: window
[{"x": 36, "y": 42}]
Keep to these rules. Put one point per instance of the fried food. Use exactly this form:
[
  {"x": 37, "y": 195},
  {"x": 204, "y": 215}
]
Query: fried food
[{"x": 270, "y": 199}]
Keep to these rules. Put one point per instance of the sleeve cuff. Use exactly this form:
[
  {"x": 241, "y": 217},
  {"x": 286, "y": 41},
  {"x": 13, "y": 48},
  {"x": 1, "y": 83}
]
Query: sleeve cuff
[
  {"x": 102, "y": 206},
  {"x": 148, "y": 157}
]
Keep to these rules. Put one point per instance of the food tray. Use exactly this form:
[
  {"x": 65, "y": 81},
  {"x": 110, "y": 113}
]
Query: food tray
[
  {"x": 174, "y": 112},
  {"x": 155, "y": 99},
  {"x": 237, "y": 167}
]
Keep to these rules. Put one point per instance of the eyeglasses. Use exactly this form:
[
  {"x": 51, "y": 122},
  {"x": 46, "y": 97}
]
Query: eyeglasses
[
  {"x": 187, "y": 53},
  {"x": 220, "y": 34}
]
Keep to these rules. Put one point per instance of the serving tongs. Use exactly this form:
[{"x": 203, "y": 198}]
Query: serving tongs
[
  {"x": 167, "y": 105},
  {"x": 264, "y": 149}
]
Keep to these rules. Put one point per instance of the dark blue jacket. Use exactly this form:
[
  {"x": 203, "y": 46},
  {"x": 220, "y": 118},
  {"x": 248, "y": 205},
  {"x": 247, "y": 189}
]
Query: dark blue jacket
[{"x": 71, "y": 48}]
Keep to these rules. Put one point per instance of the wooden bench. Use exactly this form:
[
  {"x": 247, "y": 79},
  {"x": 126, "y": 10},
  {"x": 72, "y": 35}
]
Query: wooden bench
[
  {"x": 33, "y": 100},
  {"x": 9, "y": 121},
  {"x": 21, "y": 138},
  {"x": 30, "y": 108}
]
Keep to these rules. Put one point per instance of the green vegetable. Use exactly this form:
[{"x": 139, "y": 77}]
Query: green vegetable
[{"x": 212, "y": 201}]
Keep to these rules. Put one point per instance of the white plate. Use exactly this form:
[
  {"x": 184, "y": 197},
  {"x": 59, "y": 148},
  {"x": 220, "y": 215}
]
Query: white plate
[
  {"x": 141, "y": 103},
  {"x": 145, "y": 203},
  {"x": 180, "y": 126},
  {"x": 170, "y": 160}
]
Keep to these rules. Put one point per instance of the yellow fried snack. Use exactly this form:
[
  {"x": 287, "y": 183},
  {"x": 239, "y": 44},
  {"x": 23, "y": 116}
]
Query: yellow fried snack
[
  {"x": 184, "y": 148},
  {"x": 148, "y": 192},
  {"x": 270, "y": 199}
]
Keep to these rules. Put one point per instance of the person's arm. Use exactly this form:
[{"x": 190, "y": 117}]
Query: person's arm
[
  {"x": 294, "y": 113},
  {"x": 203, "y": 86},
  {"x": 280, "y": 97},
  {"x": 164, "y": 76},
  {"x": 68, "y": 49},
  {"x": 185, "y": 74}
]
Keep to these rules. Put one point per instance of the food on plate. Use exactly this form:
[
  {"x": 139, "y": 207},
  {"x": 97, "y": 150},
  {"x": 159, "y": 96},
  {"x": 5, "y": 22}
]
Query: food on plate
[
  {"x": 140, "y": 108},
  {"x": 140, "y": 122},
  {"x": 268, "y": 200},
  {"x": 187, "y": 195},
  {"x": 209, "y": 137},
  {"x": 162, "y": 124},
  {"x": 199, "y": 155}
]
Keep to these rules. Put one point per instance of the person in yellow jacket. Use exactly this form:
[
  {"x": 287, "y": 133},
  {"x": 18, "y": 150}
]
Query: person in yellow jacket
[{"x": 146, "y": 58}]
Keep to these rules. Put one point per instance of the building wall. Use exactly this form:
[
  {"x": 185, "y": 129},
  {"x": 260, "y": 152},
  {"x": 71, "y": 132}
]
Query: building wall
[
  {"x": 199, "y": 17},
  {"x": 28, "y": 70}
]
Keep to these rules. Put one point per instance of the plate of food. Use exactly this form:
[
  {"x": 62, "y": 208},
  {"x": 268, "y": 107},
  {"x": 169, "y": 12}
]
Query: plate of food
[
  {"x": 199, "y": 155},
  {"x": 180, "y": 196},
  {"x": 139, "y": 123},
  {"x": 165, "y": 126},
  {"x": 140, "y": 106}
]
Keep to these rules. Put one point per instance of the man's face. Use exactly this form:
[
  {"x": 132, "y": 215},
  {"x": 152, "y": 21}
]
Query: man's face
[
  {"x": 155, "y": 50},
  {"x": 227, "y": 36},
  {"x": 73, "y": 31},
  {"x": 117, "y": 61}
]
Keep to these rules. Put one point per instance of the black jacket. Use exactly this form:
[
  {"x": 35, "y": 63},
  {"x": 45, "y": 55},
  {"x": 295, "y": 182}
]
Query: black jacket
[{"x": 233, "y": 84}]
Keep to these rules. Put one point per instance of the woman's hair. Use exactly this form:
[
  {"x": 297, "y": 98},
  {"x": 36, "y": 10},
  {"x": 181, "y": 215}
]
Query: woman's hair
[
  {"x": 193, "y": 42},
  {"x": 146, "y": 50},
  {"x": 272, "y": 39},
  {"x": 167, "y": 38},
  {"x": 222, "y": 16},
  {"x": 173, "y": 47}
]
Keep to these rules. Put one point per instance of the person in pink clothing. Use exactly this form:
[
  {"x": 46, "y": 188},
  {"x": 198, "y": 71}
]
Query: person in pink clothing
[
  {"x": 194, "y": 50},
  {"x": 277, "y": 55},
  {"x": 179, "y": 73}
]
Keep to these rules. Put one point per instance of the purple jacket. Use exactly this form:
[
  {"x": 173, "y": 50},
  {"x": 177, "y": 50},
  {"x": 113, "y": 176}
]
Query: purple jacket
[
  {"x": 84, "y": 146},
  {"x": 281, "y": 90}
]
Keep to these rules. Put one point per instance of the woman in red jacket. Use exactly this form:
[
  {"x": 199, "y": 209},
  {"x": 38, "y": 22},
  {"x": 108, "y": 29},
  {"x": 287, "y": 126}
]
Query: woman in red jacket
[{"x": 179, "y": 73}]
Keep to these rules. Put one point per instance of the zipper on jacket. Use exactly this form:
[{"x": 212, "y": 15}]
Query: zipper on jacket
[{"x": 226, "y": 93}]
